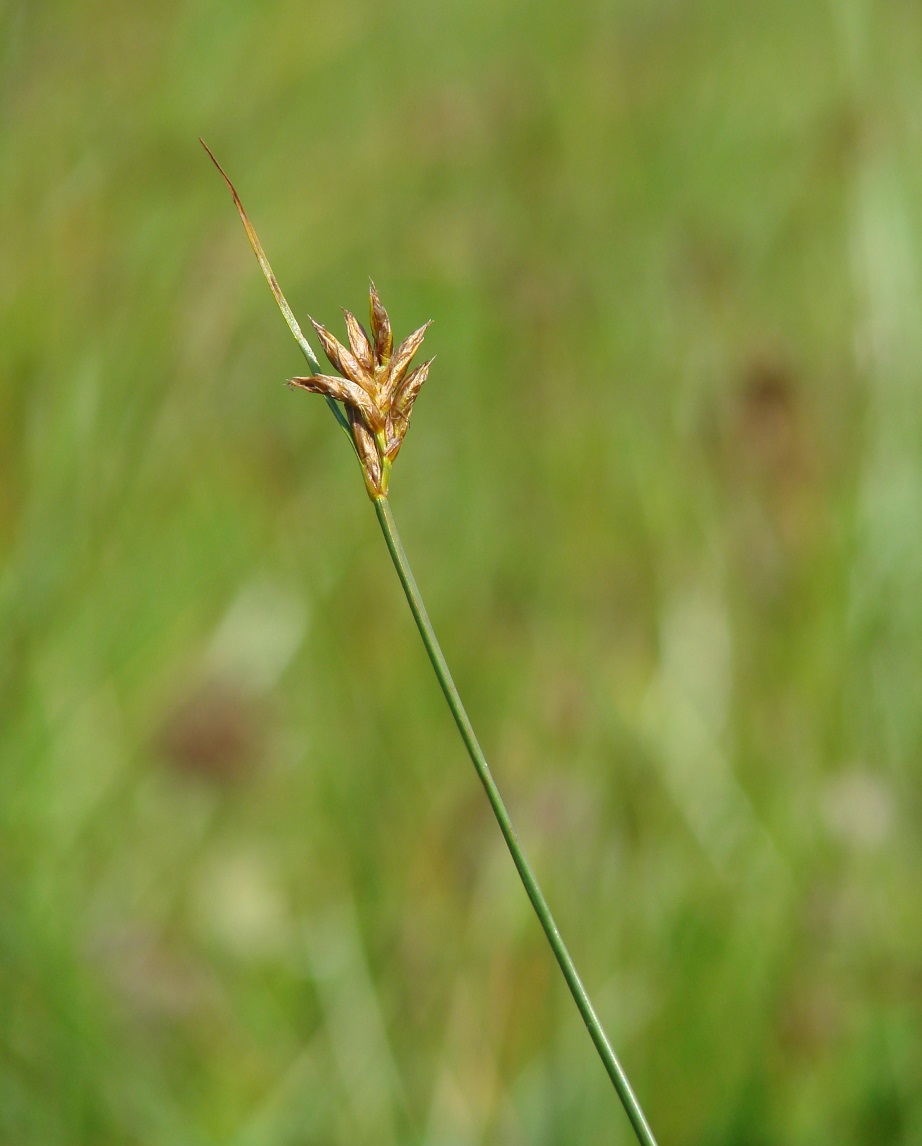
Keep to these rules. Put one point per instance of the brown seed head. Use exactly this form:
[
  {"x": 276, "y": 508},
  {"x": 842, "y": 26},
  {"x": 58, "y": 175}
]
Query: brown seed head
[{"x": 373, "y": 386}]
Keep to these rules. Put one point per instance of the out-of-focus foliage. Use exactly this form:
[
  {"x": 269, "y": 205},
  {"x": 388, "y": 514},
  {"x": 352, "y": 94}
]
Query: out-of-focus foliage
[{"x": 663, "y": 493}]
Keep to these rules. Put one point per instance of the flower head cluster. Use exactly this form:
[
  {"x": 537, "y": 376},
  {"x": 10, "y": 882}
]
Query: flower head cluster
[{"x": 374, "y": 386}]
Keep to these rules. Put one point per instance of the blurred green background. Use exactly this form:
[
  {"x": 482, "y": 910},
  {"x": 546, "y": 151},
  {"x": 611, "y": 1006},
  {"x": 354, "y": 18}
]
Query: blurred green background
[{"x": 663, "y": 494}]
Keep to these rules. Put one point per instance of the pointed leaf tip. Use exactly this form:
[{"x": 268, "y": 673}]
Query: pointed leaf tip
[{"x": 211, "y": 156}]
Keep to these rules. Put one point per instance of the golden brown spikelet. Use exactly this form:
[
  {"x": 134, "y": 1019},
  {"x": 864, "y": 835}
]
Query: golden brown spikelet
[
  {"x": 380, "y": 326},
  {"x": 346, "y": 391},
  {"x": 366, "y": 446},
  {"x": 344, "y": 360},
  {"x": 358, "y": 340},
  {"x": 402, "y": 358}
]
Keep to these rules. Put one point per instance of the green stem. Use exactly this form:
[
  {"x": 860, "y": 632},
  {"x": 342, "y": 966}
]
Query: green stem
[{"x": 607, "y": 1055}]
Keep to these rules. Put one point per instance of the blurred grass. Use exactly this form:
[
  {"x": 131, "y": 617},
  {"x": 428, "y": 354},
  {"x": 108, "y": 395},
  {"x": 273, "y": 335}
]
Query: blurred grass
[{"x": 663, "y": 497}]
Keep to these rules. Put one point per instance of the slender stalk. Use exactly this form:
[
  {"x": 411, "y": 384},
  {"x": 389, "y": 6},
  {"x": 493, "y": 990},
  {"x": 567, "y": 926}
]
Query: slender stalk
[
  {"x": 439, "y": 664},
  {"x": 375, "y": 453}
]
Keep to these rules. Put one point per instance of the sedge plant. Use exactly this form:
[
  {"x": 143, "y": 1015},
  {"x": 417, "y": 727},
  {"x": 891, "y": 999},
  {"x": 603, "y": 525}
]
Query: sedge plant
[{"x": 371, "y": 395}]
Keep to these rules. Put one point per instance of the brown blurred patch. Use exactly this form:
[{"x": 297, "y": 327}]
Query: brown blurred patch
[
  {"x": 809, "y": 1020},
  {"x": 768, "y": 429},
  {"x": 217, "y": 732},
  {"x": 772, "y": 469},
  {"x": 153, "y": 980}
]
